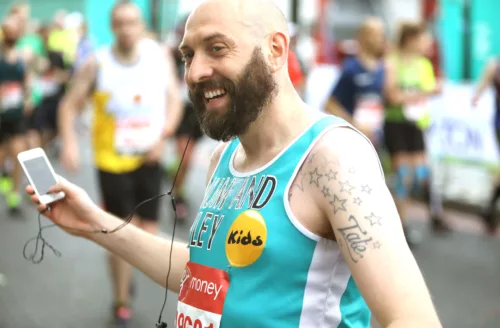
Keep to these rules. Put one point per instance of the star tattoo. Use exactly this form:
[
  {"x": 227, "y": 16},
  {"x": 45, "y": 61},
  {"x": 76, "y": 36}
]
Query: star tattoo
[
  {"x": 331, "y": 175},
  {"x": 367, "y": 189},
  {"x": 315, "y": 176},
  {"x": 352, "y": 170},
  {"x": 376, "y": 245},
  {"x": 338, "y": 204},
  {"x": 346, "y": 187},
  {"x": 374, "y": 220},
  {"x": 357, "y": 201},
  {"x": 326, "y": 192}
]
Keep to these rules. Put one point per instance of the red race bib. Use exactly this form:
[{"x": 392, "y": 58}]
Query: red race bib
[{"x": 201, "y": 297}]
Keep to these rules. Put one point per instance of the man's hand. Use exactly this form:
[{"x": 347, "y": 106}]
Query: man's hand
[{"x": 350, "y": 190}]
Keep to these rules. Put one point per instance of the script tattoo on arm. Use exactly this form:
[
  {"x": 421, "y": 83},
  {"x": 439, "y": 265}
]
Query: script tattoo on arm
[{"x": 339, "y": 184}]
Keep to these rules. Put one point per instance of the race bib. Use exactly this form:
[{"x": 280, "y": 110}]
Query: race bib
[
  {"x": 135, "y": 136},
  {"x": 369, "y": 113},
  {"x": 415, "y": 112},
  {"x": 201, "y": 297},
  {"x": 49, "y": 85},
  {"x": 11, "y": 96}
]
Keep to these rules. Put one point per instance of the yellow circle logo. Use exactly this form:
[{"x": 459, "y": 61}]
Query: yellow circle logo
[{"x": 246, "y": 239}]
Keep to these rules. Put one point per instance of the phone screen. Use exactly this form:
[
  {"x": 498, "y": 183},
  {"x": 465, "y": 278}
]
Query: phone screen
[{"x": 40, "y": 174}]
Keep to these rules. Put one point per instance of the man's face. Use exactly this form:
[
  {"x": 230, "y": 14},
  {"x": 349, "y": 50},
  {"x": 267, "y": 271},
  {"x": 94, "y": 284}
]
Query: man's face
[
  {"x": 127, "y": 26},
  {"x": 228, "y": 77}
]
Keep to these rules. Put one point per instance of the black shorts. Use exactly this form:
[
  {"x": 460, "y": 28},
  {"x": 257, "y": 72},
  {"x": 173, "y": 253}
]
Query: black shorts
[
  {"x": 9, "y": 129},
  {"x": 121, "y": 193},
  {"x": 403, "y": 137},
  {"x": 45, "y": 115},
  {"x": 189, "y": 124}
]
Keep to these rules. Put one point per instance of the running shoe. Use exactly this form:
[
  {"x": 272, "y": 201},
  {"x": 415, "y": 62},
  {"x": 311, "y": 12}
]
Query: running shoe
[{"x": 122, "y": 315}]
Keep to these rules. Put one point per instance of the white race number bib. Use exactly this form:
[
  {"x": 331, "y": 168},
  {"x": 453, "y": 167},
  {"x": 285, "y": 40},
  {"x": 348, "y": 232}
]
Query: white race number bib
[
  {"x": 369, "y": 113},
  {"x": 49, "y": 85},
  {"x": 416, "y": 111},
  {"x": 135, "y": 135},
  {"x": 11, "y": 96}
]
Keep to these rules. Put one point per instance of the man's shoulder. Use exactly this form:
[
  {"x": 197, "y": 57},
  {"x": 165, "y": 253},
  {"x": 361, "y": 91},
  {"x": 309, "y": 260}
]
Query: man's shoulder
[
  {"x": 351, "y": 64},
  {"x": 347, "y": 147}
]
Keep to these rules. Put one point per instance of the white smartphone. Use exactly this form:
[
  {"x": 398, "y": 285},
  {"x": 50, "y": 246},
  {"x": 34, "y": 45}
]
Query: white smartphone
[{"x": 40, "y": 174}]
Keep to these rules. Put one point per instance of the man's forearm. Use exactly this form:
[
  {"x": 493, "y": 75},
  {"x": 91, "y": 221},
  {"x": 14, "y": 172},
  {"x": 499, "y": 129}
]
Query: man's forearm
[
  {"x": 417, "y": 323},
  {"x": 146, "y": 252},
  {"x": 66, "y": 122},
  {"x": 174, "y": 113}
]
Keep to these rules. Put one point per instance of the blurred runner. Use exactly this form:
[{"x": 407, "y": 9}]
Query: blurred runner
[
  {"x": 136, "y": 106},
  {"x": 54, "y": 75},
  {"x": 14, "y": 104},
  {"x": 30, "y": 44},
  {"x": 357, "y": 96},
  {"x": 491, "y": 77},
  {"x": 432, "y": 193},
  {"x": 410, "y": 82},
  {"x": 188, "y": 126}
]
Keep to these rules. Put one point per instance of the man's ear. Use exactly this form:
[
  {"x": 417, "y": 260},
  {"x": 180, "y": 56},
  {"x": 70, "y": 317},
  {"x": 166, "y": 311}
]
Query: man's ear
[{"x": 278, "y": 54}]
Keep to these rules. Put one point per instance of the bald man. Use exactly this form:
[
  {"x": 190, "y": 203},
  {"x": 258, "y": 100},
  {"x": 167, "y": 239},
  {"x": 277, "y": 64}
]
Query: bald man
[
  {"x": 357, "y": 95},
  {"x": 297, "y": 227},
  {"x": 136, "y": 107}
]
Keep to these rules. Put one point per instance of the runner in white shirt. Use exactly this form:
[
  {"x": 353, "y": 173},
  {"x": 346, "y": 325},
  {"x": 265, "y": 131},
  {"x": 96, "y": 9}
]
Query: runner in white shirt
[{"x": 136, "y": 107}]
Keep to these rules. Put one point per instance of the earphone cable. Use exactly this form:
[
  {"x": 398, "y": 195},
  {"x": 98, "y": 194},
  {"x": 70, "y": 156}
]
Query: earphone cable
[{"x": 39, "y": 238}]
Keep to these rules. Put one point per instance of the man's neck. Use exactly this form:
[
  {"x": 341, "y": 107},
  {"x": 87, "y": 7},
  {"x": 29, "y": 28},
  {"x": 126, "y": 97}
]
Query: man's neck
[
  {"x": 126, "y": 56},
  {"x": 369, "y": 61},
  {"x": 407, "y": 55},
  {"x": 281, "y": 122}
]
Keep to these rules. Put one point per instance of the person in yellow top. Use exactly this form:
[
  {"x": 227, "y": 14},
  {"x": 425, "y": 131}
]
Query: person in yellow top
[
  {"x": 410, "y": 82},
  {"x": 136, "y": 107}
]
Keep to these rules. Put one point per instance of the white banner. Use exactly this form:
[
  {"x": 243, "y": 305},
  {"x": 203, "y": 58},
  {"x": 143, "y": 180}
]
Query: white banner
[{"x": 461, "y": 140}]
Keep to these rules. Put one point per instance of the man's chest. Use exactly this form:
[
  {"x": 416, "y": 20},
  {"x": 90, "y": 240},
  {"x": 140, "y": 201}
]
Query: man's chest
[{"x": 235, "y": 217}]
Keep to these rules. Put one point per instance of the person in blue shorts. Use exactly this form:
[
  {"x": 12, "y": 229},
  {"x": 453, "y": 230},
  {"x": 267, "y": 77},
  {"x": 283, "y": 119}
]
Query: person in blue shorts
[{"x": 297, "y": 227}]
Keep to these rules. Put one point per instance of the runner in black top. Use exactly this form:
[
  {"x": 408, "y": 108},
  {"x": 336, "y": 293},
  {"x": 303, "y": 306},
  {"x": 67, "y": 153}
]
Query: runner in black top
[
  {"x": 14, "y": 105},
  {"x": 55, "y": 74}
]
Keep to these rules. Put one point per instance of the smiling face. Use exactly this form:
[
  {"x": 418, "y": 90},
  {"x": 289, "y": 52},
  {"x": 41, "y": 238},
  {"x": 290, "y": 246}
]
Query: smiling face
[{"x": 230, "y": 82}]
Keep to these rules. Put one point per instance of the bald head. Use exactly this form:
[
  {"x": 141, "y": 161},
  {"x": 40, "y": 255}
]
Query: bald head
[
  {"x": 253, "y": 18},
  {"x": 371, "y": 36},
  {"x": 11, "y": 28},
  {"x": 370, "y": 25}
]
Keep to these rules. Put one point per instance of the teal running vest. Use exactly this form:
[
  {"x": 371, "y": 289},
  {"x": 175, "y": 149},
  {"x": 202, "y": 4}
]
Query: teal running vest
[{"x": 281, "y": 275}]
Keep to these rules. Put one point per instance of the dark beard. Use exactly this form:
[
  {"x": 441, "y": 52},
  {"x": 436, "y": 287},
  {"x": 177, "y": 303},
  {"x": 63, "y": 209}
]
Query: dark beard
[{"x": 254, "y": 90}]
